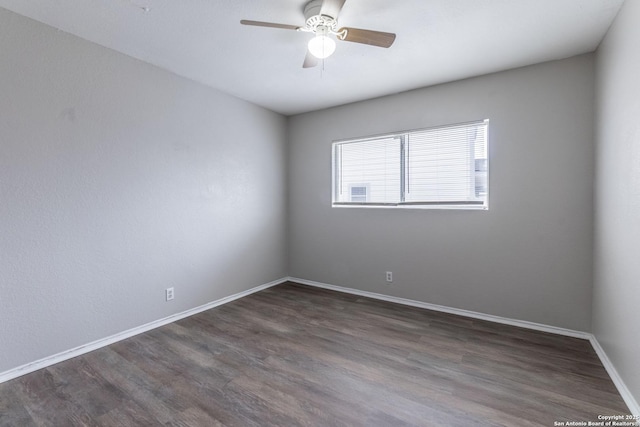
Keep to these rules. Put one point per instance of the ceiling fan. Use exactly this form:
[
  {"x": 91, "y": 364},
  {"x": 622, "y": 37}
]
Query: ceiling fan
[{"x": 321, "y": 19}]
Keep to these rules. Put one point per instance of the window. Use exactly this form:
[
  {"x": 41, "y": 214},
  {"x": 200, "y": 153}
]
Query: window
[{"x": 443, "y": 167}]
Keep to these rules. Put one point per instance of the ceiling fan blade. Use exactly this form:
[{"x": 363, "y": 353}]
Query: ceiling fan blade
[
  {"x": 331, "y": 8},
  {"x": 269, "y": 24},
  {"x": 373, "y": 38},
  {"x": 310, "y": 61}
]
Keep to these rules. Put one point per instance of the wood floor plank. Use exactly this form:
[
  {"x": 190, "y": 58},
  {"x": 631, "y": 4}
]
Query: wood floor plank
[
  {"x": 12, "y": 407},
  {"x": 294, "y": 355}
]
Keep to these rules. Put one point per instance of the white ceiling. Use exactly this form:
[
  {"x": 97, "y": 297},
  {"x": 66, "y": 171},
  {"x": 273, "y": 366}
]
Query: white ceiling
[{"x": 437, "y": 41}]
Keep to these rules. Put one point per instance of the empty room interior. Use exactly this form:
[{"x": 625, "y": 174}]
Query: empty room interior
[{"x": 432, "y": 219}]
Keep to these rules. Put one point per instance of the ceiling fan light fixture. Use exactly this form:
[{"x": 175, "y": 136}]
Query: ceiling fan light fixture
[
  {"x": 322, "y": 46},
  {"x": 321, "y": 20}
]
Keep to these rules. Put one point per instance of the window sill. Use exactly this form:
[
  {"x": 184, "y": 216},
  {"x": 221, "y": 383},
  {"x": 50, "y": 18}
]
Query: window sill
[{"x": 465, "y": 207}]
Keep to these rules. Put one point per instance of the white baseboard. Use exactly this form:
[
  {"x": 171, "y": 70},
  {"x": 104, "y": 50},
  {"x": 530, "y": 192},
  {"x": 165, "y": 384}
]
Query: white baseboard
[
  {"x": 613, "y": 373},
  {"x": 68, "y": 354},
  {"x": 444, "y": 309},
  {"x": 628, "y": 398}
]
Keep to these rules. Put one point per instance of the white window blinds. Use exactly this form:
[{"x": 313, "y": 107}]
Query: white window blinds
[
  {"x": 374, "y": 164},
  {"x": 438, "y": 167}
]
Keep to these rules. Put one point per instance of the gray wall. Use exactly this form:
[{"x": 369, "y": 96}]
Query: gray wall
[
  {"x": 117, "y": 180},
  {"x": 616, "y": 313},
  {"x": 528, "y": 257}
]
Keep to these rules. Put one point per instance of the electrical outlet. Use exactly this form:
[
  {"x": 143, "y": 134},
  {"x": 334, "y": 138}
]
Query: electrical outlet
[
  {"x": 169, "y": 294},
  {"x": 389, "y": 276}
]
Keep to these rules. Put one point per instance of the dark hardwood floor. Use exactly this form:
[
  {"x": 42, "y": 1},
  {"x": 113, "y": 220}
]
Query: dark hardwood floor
[{"x": 294, "y": 355}]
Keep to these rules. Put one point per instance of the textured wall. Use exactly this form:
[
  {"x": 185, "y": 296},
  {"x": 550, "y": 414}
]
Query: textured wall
[
  {"x": 528, "y": 257},
  {"x": 118, "y": 180},
  {"x": 616, "y": 317}
]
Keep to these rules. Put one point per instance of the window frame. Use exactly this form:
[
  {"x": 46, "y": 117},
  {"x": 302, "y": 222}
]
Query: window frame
[{"x": 481, "y": 205}]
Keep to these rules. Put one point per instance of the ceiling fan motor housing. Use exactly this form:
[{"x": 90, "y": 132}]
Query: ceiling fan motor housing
[{"x": 315, "y": 21}]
